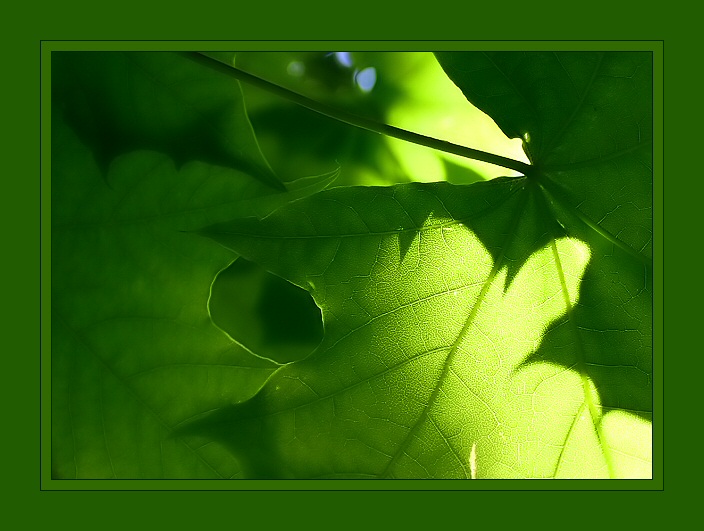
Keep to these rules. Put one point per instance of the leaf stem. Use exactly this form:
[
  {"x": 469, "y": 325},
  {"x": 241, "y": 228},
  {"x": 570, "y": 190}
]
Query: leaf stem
[{"x": 359, "y": 121}]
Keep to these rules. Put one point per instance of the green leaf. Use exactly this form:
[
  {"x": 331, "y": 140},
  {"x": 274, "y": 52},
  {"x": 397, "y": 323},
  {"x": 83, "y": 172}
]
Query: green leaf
[
  {"x": 134, "y": 351},
  {"x": 586, "y": 120},
  {"x": 161, "y": 101},
  {"x": 495, "y": 330}
]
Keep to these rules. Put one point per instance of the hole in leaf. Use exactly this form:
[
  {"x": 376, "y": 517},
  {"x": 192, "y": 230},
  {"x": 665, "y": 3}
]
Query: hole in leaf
[{"x": 265, "y": 313}]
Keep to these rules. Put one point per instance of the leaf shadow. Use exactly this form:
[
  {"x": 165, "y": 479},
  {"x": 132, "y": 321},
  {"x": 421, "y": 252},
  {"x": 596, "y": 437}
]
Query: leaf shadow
[
  {"x": 606, "y": 335},
  {"x": 510, "y": 219}
]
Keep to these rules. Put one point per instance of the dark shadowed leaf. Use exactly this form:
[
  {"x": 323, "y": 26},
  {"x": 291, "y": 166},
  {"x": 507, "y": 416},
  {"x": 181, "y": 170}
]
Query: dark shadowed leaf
[
  {"x": 133, "y": 349},
  {"x": 161, "y": 101}
]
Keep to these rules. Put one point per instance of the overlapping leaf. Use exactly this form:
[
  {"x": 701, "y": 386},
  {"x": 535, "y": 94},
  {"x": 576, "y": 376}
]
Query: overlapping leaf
[
  {"x": 161, "y": 101},
  {"x": 501, "y": 329},
  {"x": 130, "y": 327},
  {"x": 134, "y": 351}
]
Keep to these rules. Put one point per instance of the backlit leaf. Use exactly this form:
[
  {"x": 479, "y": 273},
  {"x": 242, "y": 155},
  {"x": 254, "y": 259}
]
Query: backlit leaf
[{"x": 508, "y": 320}]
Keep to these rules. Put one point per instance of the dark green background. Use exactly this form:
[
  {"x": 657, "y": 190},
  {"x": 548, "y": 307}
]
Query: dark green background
[{"x": 361, "y": 20}]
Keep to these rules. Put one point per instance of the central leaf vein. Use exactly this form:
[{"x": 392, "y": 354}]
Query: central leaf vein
[{"x": 498, "y": 264}]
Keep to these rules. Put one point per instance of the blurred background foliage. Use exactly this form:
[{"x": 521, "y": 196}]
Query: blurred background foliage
[{"x": 405, "y": 89}]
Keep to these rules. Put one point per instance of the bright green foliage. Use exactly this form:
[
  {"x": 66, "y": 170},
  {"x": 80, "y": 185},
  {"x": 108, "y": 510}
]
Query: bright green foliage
[{"x": 494, "y": 330}]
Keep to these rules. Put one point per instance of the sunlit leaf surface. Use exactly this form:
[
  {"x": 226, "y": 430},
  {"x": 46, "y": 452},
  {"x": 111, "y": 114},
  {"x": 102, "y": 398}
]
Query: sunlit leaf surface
[
  {"x": 500, "y": 329},
  {"x": 511, "y": 316}
]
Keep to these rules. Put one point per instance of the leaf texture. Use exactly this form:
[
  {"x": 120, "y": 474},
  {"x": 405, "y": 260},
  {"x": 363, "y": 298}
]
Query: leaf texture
[
  {"x": 130, "y": 326},
  {"x": 509, "y": 320}
]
